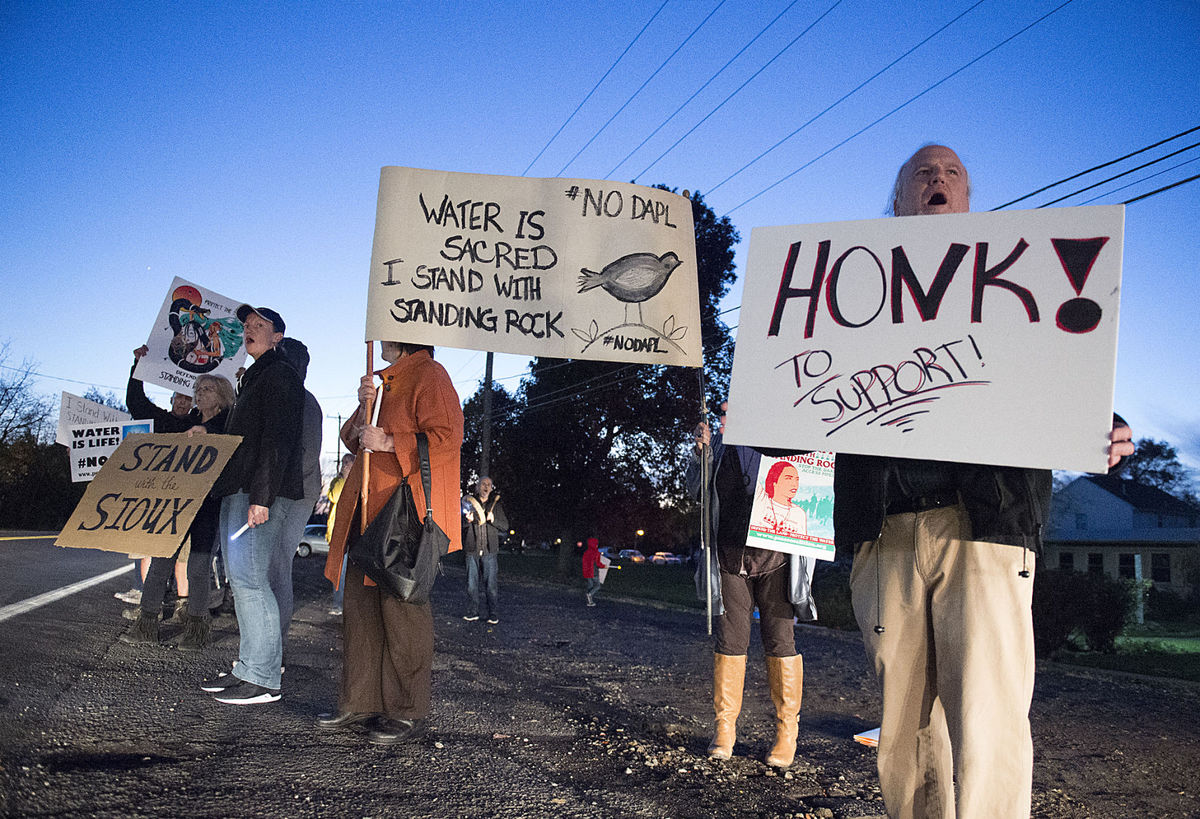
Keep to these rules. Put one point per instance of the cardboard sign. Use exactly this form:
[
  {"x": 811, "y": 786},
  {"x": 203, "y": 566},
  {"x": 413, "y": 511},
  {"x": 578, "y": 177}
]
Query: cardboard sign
[
  {"x": 569, "y": 268},
  {"x": 197, "y": 331},
  {"x": 145, "y": 496},
  {"x": 91, "y": 445},
  {"x": 75, "y": 410},
  {"x": 793, "y": 505},
  {"x": 981, "y": 338}
]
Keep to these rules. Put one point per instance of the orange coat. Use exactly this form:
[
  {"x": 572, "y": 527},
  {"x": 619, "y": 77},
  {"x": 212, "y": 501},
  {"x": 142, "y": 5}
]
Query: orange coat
[{"x": 417, "y": 396}]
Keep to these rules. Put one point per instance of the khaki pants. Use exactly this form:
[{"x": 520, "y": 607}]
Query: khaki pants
[{"x": 955, "y": 662}]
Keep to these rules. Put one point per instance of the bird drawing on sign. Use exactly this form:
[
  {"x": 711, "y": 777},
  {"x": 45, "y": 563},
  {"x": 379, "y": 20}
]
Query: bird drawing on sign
[{"x": 632, "y": 278}]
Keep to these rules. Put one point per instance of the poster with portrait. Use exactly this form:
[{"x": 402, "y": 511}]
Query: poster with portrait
[
  {"x": 793, "y": 505},
  {"x": 75, "y": 410},
  {"x": 197, "y": 332},
  {"x": 987, "y": 338},
  {"x": 568, "y": 268}
]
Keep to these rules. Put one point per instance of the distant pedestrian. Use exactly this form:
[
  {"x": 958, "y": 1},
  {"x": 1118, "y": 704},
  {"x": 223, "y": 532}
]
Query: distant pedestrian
[
  {"x": 483, "y": 522},
  {"x": 333, "y": 494},
  {"x": 595, "y": 567}
]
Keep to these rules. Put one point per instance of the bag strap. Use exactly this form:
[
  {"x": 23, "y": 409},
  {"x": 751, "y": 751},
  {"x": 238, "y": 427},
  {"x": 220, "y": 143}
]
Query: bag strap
[{"x": 423, "y": 451}]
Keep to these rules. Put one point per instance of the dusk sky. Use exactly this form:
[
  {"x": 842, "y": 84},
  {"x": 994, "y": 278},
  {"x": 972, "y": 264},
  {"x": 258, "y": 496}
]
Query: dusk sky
[{"x": 239, "y": 146}]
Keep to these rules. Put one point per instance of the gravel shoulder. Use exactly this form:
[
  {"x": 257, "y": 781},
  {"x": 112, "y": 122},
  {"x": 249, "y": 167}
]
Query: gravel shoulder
[{"x": 560, "y": 710}]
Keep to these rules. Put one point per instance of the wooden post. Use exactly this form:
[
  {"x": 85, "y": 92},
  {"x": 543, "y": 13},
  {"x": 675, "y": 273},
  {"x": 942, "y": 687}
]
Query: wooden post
[{"x": 366, "y": 454}]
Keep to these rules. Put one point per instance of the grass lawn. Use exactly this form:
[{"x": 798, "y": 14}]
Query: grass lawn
[{"x": 1157, "y": 649}]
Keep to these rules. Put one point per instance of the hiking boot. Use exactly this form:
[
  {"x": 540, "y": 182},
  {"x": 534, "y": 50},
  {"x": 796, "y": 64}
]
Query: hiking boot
[
  {"x": 132, "y": 597},
  {"x": 143, "y": 630},
  {"x": 196, "y": 633}
]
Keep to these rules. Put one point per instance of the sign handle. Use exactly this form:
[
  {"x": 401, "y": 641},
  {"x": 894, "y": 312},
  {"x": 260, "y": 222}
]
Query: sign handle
[{"x": 366, "y": 454}]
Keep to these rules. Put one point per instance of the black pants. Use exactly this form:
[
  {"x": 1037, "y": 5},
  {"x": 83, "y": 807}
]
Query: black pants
[
  {"x": 203, "y": 534},
  {"x": 769, "y": 592}
]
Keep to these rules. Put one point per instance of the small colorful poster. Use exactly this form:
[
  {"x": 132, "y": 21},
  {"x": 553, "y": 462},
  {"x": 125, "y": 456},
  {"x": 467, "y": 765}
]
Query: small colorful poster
[
  {"x": 75, "y": 410},
  {"x": 197, "y": 332},
  {"x": 93, "y": 444},
  {"x": 793, "y": 505}
]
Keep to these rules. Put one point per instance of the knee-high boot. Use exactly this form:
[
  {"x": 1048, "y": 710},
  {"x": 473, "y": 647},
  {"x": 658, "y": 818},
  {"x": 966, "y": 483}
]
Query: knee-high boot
[
  {"x": 785, "y": 676},
  {"x": 729, "y": 675}
]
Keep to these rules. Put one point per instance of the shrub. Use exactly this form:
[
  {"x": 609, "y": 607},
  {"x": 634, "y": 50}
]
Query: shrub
[
  {"x": 831, "y": 593},
  {"x": 1108, "y": 607},
  {"x": 1056, "y": 601}
]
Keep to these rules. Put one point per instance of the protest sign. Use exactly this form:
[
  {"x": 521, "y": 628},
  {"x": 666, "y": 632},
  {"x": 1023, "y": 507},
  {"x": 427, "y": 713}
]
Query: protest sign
[
  {"x": 145, "y": 496},
  {"x": 793, "y": 505},
  {"x": 569, "y": 268},
  {"x": 91, "y": 445},
  {"x": 982, "y": 338},
  {"x": 197, "y": 331},
  {"x": 75, "y": 410}
]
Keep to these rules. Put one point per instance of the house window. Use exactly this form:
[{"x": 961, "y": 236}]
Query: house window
[
  {"x": 1066, "y": 561},
  {"x": 1095, "y": 563},
  {"x": 1081, "y": 520},
  {"x": 1160, "y": 567},
  {"x": 1125, "y": 566}
]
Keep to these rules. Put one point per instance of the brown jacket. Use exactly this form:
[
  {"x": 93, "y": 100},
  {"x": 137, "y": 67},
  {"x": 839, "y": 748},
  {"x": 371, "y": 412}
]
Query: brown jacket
[{"x": 417, "y": 397}]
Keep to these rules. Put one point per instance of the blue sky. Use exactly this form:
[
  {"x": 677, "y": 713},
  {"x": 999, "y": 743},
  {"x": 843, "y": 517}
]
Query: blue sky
[{"x": 239, "y": 146}]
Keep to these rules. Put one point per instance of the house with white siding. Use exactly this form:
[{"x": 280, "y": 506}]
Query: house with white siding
[{"x": 1115, "y": 526}]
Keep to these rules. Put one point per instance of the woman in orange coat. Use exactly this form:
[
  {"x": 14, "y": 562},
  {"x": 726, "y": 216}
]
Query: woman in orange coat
[{"x": 387, "y": 644}]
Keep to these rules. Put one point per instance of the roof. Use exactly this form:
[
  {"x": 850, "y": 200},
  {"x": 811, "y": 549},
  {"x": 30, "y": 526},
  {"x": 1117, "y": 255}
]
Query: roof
[{"x": 1142, "y": 497}]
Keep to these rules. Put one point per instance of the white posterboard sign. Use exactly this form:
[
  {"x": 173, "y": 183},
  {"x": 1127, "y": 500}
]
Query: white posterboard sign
[
  {"x": 567, "y": 268},
  {"x": 983, "y": 338},
  {"x": 197, "y": 332},
  {"x": 793, "y": 505},
  {"x": 92, "y": 445},
  {"x": 75, "y": 410}
]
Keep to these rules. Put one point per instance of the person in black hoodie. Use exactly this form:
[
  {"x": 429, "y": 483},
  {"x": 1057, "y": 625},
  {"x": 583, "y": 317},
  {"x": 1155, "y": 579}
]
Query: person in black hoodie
[{"x": 259, "y": 486}]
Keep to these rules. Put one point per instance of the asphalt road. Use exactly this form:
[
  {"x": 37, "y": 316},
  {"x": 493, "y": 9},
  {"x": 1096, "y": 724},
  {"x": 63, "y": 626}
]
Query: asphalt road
[{"x": 560, "y": 710}]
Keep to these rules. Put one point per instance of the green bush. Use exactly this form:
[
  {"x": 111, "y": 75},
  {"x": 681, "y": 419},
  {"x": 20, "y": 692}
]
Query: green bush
[
  {"x": 1109, "y": 605},
  {"x": 1056, "y": 599},
  {"x": 831, "y": 593}
]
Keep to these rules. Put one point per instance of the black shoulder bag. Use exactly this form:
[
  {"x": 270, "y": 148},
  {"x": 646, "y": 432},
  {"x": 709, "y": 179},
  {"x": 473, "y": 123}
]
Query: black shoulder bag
[{"x": 399, "y": 550}]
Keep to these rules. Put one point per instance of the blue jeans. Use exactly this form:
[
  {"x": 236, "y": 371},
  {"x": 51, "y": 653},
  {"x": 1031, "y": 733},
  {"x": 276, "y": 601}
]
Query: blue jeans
[
  {"x": 593, "y": 585},
  {"x": 251, "y": 560},
  {"x": 488, "y": 566},
  {"x": 281, "y": 567}
]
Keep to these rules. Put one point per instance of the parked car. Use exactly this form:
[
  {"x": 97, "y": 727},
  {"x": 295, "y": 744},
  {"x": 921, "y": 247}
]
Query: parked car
[
  {"x": 666, "y": 559},
  {"x": 632, "y": 555},
  {"x": 313, "y": 540}
]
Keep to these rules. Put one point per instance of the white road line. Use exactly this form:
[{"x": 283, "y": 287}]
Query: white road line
[{"x": 32, "y": 603}]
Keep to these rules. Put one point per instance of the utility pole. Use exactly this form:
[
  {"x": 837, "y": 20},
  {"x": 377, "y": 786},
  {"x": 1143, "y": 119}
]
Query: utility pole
[{"x": 485, "y": 429}]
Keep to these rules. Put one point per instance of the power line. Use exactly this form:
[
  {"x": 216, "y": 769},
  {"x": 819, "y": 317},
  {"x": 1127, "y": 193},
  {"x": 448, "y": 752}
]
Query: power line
[
  {"x": 902, "y": 105},
  {"x": 707, "y": 82},
  {"x": 1161, "y": 190},
  {"x": 597, "y": 85},
  {"x": 845, "y": 97},
  {"x": 738, "y": 90},
  {"x": 1118, "y": 176},
  {"x": 641, "y": 87},
  {"x": 1097, "y": 167},
  {"x": 1139, "y": 181}
]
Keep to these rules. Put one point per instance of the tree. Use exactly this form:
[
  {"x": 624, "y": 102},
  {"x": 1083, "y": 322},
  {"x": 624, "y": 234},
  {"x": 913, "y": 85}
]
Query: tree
[
  {"x": 22, "y": 411},
  {"x": 596, "y": 447},
  {"x": 1156, "y": 463}
]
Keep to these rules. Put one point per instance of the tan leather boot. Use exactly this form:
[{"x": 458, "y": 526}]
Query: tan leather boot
[
  {"x": 729, "y": 675},
  {"x": 785, "y": 675}
]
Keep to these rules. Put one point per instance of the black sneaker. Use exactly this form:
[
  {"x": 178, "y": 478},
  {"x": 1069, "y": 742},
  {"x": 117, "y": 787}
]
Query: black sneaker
[
  {"x": 247, "y": 693},
  {"x": 219, "y": 683}
]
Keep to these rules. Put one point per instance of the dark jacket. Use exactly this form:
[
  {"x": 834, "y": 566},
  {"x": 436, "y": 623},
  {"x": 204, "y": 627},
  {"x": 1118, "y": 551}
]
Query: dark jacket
[
  {"x": 267, "y": 414},
  {"x": 483, "y": 536},
  {"x": 142, "y": 408},
  {"x": 1006, "y": 504}
]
